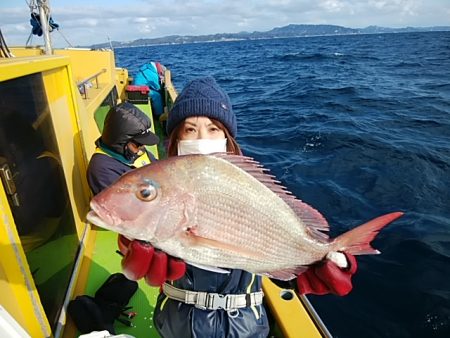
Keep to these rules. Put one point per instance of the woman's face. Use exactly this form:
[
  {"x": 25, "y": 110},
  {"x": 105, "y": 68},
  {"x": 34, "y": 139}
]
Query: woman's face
[{"x": 200, "y": 127}]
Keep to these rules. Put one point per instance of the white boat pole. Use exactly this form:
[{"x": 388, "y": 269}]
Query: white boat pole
[{"x": 44, "y": 9}]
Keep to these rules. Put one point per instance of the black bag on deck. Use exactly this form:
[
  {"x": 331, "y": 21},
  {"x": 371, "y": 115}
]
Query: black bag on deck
[{"x": 99, "y": 312}]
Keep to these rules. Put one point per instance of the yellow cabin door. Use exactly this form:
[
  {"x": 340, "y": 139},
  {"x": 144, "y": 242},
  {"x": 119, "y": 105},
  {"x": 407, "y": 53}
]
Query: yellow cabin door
[{"x": 33, "y": 183}]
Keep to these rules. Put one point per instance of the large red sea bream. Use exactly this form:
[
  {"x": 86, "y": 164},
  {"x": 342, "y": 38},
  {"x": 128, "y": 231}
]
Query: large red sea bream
[{"x": 224, "y": 211}]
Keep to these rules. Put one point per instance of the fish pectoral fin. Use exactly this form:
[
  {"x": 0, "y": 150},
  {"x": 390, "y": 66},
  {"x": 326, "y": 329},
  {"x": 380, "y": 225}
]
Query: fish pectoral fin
[
  {"x": 215, "y": 244},
  {"x": 189, "y": 211},
  {"x": 286, "y": 274}
]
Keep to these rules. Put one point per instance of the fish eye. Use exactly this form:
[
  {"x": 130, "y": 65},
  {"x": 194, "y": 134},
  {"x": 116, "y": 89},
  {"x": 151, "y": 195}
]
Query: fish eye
[{"x": 146, "y": 193}]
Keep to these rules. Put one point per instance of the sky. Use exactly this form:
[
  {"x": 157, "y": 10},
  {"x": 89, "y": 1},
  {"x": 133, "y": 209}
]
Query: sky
[{"x": 86, "y": 22}]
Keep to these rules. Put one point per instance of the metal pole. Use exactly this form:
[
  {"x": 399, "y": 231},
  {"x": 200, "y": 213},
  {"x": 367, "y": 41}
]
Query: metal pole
[{"x": 43, "y": 11}]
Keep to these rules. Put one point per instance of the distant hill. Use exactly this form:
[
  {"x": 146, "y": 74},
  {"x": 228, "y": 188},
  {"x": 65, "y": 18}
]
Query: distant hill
[
  {"x": 278, "y": 32},
  {"x": 378, "y": 30}
]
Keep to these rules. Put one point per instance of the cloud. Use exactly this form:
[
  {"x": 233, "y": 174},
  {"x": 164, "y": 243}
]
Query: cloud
[{"x": 92, "y": 22}]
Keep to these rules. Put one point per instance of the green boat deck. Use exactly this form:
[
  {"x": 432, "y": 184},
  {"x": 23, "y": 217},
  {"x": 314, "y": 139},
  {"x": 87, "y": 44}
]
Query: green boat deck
[{"x": 105, "y": 262}]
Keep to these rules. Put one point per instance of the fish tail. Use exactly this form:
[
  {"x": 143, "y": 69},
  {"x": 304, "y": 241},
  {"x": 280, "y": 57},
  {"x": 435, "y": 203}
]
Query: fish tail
[{"x": 357, "y": 241}]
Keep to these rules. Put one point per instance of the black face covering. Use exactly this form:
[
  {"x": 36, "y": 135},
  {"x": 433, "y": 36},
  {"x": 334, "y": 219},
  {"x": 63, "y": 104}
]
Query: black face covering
[{"x": 129, "y": 155}]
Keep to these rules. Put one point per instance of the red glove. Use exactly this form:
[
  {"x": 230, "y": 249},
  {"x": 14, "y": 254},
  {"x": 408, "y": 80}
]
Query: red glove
[
  {"x": 142, "y": 260},
  {"x": 326, "y": 277}
]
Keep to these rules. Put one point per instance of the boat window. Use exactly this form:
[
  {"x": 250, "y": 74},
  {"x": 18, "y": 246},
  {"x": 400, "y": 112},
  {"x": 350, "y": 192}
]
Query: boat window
[
  {"x": 32, "y": 176},
  {"x": 101, "y": 111}
]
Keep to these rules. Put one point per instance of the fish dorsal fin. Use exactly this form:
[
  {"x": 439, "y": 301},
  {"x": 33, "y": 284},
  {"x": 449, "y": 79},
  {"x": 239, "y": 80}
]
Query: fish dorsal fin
[{"x": 315, "y": 222}]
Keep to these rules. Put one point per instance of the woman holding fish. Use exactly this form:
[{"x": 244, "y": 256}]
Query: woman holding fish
[{"x": 205, "y": 301}]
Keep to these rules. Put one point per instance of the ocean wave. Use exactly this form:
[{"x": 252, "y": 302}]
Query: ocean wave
[{"x": 356, "y": 126}]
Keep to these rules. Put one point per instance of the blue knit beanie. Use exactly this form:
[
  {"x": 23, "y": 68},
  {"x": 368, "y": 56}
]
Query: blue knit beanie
[{"x": 203, "y": 97}]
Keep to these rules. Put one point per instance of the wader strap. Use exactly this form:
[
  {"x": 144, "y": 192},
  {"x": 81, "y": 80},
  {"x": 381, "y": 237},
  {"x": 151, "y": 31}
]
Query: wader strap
[{"x": 213, "y": 301}]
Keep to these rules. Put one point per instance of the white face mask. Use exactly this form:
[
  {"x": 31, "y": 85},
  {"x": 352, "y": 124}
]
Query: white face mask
[{"x": 202, "y": 146}]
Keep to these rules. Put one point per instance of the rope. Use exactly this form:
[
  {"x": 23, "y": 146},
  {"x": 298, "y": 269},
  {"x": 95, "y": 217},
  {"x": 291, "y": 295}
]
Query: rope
[
  {"x": 67, "y": 41},
  {"x": 32, "y": 5},
  {"x": 4, "y": 50},
  {"x": 45, "y": 7},
  {"x": 29, "y": 40}
]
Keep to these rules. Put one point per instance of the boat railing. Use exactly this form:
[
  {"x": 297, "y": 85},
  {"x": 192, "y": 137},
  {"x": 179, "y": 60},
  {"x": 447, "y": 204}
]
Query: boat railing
[
  {"x": 172, "y": 93},
  {"x": 87, "y": 83},
  {"x": 315, "y": 317}
]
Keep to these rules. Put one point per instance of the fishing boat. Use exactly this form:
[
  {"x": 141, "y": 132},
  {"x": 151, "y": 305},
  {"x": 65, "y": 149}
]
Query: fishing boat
[{"x": 53, "y": 103}]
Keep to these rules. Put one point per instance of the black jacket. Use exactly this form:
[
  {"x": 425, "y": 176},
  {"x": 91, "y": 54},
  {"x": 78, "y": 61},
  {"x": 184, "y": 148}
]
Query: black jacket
[{"x": 104, "y": 170}]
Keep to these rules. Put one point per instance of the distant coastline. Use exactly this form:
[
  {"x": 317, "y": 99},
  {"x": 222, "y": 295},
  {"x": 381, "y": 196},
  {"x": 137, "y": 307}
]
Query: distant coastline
[{"x": 292, "y": 30}]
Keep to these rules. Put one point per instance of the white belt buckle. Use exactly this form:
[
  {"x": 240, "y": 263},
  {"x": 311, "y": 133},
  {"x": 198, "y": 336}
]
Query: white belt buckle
[
  {"x": 217, "y": 301},
  {"x": 214, "y": 301}
]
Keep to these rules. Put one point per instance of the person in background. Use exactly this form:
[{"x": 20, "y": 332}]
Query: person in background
[
  {"x": 202, "y": 121},
  {"x": 151, "y": 74},
  {"x": 121, "y": 146}
]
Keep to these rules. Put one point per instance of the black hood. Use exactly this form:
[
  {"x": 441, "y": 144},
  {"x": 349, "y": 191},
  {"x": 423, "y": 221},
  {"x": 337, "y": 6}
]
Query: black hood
[{"x": 126, "y": 122}]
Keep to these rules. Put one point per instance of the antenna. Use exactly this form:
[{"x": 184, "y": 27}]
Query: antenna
[{"x": 110, "y": 42}]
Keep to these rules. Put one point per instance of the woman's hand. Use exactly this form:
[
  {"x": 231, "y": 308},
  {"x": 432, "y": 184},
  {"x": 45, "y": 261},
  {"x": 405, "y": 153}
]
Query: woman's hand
[
  {"x": 142, "y": 260},
  {"x": 327, "y": 277}
]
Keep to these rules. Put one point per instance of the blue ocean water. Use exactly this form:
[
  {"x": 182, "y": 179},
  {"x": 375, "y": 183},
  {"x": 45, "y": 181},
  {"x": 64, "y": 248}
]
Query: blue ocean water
[{"x": 356, "y": 126}]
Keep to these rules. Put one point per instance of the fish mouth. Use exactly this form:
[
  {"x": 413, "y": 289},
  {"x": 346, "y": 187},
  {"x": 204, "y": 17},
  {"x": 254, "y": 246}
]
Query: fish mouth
[
  {"x": 102, "y": 218},
  {"x": 94, "y": 218}
]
